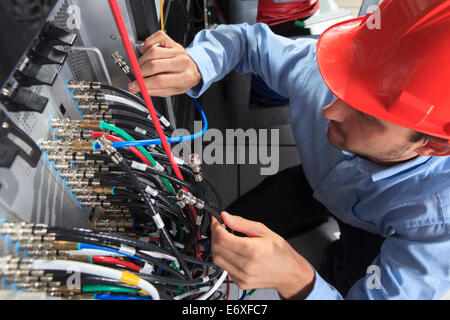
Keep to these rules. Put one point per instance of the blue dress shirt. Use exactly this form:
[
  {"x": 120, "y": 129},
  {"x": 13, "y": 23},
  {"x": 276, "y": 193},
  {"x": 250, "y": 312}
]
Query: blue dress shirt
[{"x": 408, "y": 204}]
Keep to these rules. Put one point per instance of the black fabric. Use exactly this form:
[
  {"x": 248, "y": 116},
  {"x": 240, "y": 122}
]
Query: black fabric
[{"x": 284, "y": 203}]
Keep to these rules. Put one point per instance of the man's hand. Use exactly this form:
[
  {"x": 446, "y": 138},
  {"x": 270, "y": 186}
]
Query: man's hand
[
  {"x": 167, "y": 68},
  {"x": 263, "y": 260}
]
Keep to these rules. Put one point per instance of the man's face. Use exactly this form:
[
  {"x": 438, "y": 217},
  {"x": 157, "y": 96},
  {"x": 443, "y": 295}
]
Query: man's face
[{"x": 369, "y": 137}]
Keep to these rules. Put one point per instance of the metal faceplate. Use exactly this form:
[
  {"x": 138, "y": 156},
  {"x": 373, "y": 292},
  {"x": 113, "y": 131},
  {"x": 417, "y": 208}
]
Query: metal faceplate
[{"x": 38, "y": 194}]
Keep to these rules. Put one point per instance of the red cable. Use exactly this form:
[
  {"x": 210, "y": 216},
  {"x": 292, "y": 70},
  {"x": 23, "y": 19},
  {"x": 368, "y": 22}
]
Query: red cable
[
  {"x": 140, "y": 80},
  {"x": 273, "y": 13},
  {"x": 97, "y": 134},
  {"x": 115, "y": 261}
]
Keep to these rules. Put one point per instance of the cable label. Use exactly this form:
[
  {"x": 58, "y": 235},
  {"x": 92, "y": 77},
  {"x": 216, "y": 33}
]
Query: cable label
[
  {"x": 147, "y": 268},
  {"x": 158, "y": 221},
  {"x": 127, "y": 250},
  {"x": 141, "y": 131},
  {"x": 165, "y": 122},
  {"x": 159, "y": 167},
  {"x": 129, "y": 278},
  {"x": 179, "y": 161},
  {"x": 138, "y": 166},
  {"x": 151, "y": 191}
]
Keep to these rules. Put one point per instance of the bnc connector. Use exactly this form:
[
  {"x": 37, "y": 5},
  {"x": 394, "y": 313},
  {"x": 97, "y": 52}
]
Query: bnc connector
[
  {"x": 19, "y": 237},
  {"x": 97, "y": 116},
  {"x": 91, "y": 197},
  {"x": 22, "y": 229},
  {"x": 88, "y": 96},
  {"x": 107, "y": 146},
  {"x": 77, "y": 174},
  {"x": 72, "y": 134},
  {"x": 55, "y": 146},
  {"x": 120, "y": 61},
  {"x": 83, "y": 85},
  {"x": 116, "y": 210},
  {"x": 93, "y": 107},
  {"x": 113, "y": 224},
  {"x": 64, "y": 123},
  {"x": 61, "y": 166},
  {"x": 94, "y": 204},
  {"x": 35, "y": 246},
  {"x": 12, "y": 264},
  {"x": 195, "y": 163},
  {"x": 90, "y": 124},
  {"x": 80, "y": 183},
  {"x": 44, "y": 254},
  {"x": 81, "y": 145},
  {"x": 189, "y": 199},
  {"x": 60, "y": 156},
  {"x": 118, "y": 215}
]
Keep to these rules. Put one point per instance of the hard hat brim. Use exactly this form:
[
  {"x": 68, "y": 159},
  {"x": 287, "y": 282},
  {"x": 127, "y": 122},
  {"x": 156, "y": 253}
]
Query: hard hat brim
[{"x": 341, "y": 61}]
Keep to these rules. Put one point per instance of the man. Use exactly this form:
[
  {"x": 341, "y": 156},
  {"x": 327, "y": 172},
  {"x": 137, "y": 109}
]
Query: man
[{"x": 370, "y": 111}]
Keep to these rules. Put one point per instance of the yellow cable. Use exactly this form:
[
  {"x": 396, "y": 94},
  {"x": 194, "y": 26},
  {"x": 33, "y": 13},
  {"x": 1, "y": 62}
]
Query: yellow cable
[
  {"x": 162, "y": 13},
  {"x": 129, "y": 278}
]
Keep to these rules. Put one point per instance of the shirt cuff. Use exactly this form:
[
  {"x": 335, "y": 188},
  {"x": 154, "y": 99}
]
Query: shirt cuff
[
  {"x": 322, "y": 290},
  {"x": 205, "y": 67}
]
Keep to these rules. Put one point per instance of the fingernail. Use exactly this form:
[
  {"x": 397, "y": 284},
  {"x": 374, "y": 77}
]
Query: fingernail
[
  {"x": 227, "y": 215},
  {"x": 132, "y": 86}
]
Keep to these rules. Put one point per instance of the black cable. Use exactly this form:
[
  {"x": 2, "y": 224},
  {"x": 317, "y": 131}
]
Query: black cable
[
  {"x": 152, "y": 171},
  {"x": 138, "y": 254},
  {"x": 162, "y": 230},
  {"x": 132, "y": 97}
]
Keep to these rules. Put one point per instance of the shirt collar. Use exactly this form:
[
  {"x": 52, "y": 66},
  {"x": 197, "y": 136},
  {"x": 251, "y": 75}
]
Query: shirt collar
[{"x": 378, "y": 171}]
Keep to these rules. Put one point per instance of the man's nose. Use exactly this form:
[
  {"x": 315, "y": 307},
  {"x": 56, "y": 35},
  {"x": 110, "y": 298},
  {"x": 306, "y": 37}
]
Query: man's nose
[{"x": 338, "y": 111}]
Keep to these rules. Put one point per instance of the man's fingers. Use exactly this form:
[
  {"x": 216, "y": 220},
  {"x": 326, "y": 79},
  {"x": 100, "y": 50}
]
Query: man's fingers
[
  {"x": 158, "y": 37},
  {"x": 155, "y": 53},
  {"x": 167, "y": 81},
  {"x": 233, "y": 258},
  {"x": 174, "y": 65},
  {"x": 248, "y": 227},
  {"x": 224, "y": 239}
]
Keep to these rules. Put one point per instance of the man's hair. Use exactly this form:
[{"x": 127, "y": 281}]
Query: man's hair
[{"x": 419, "y": 136}]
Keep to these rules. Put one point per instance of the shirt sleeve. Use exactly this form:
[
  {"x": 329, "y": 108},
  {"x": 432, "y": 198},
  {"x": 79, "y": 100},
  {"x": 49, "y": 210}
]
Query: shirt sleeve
[
  {"x": 414, "y": 265},
  {"x": 281, "y": 62}
]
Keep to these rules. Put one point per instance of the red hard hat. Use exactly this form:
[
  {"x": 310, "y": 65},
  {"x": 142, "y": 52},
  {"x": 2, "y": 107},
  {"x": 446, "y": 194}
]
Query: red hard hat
[{"x": 399, "y": 72}]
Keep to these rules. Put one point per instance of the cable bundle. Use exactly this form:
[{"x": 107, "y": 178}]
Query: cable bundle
[
  {"x": 273, "y": 13},
  {"x": 146, "y": 243},
  {"x": 151, "y": 237}
]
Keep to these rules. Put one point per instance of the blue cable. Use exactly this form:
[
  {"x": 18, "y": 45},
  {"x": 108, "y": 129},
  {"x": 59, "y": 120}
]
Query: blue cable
[
  {"x": 1, "y": 222},
  {"x": 105, "y": 296},
  {"x": 8, "y": 241},
  {"x": 91, "y": 246},
  {"x": 244, "y": 294},
  {"x": 5, "y": 283},
  {"x": 123, "y": 144}
]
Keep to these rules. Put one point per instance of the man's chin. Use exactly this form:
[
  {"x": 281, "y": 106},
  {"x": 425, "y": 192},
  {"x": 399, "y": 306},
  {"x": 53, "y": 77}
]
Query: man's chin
[{"x": 332, "y": 139}]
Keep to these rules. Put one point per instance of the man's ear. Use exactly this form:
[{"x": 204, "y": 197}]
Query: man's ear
[{"x": 434, "y": 148}]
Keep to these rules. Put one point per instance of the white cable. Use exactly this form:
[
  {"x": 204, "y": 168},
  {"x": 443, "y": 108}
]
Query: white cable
[
  {"x": 126, "y": 102},
  {"x": 74, "y": 266},
  {"x": 159, "y": 255},
  {"x": 93, "y": 252},
  {"x": 215, "y": 287},
  {"x": 190, "y": 293}
]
